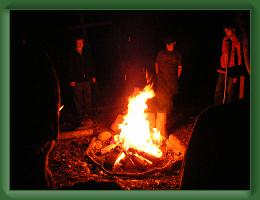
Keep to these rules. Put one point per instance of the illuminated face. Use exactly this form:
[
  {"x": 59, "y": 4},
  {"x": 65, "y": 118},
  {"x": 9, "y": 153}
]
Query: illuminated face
[
  {"x": 170, "y": 46},
  {"x": 229, "y": 31},
  {"x": 79, "y": 43}
]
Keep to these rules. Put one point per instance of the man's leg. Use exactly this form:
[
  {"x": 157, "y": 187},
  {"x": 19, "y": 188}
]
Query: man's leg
[
  {"x": 78, "y": 100},
  {"x": 162, "y": 105},
  {"x": 231, "y": 89},
  {"x": 87, "y": 95},
  {"x": 219, "y": 92}
]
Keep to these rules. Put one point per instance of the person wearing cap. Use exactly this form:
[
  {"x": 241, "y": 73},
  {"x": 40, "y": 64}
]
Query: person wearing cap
[
  {"x": 168, "y": 67},
  {"x": 81, "y": 74},
  {"x": 231, "y": 58}
]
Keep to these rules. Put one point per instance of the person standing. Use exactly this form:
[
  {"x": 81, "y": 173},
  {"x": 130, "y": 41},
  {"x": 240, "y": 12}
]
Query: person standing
[
  {"x": 81, "y": 74},
  {"x": 35, "y": 113},
  {"x": 168, "y": 67},
  {"x": 231, "y": 67}
]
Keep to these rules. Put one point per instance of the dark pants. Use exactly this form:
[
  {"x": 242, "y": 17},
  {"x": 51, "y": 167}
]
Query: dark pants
[
  {"x": 166, "y": 90},
  {"x": 82, "y": 98},
  {"x": 219, "y": 92}
]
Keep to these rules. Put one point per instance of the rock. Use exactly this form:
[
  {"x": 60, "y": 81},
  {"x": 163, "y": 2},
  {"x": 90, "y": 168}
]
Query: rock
[{"x": 104, "y": 136}]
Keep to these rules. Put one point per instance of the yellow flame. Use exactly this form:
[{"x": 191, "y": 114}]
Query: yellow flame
[
  {"x": 120, "y": 157},
  {"x": 135, "y": 131}
]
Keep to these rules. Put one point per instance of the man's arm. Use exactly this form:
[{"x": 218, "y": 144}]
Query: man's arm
[
  {"x": 239, "y": 52},
  {"x": 94, "y": 80},
  {"x": 180, "y": 65}
]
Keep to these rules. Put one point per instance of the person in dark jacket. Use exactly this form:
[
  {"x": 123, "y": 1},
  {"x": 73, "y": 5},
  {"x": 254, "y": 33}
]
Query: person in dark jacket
[
  {"x": 81, "y": 74},
  {"x": 34, "y": 114},
  {"x": 218, "y": 154}
]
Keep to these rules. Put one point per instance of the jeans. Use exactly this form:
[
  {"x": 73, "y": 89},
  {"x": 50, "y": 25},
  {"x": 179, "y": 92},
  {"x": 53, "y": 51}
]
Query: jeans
[
  {"x": 219, "y": 92},
  {"x": 82, "y": 98}
]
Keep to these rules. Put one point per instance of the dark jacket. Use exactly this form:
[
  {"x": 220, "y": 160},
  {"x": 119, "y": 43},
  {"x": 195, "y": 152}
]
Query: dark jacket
[
  {"x": 80, "y": 67},
  {"x": 218, "y": 155}
]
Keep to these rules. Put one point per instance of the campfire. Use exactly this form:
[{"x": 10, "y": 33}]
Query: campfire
[
  {"x": 136, "y": 147},
  {"x": 132, "y": 153}
]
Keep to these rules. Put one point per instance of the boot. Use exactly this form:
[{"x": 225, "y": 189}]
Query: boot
[{"x": 161, "y": 124}]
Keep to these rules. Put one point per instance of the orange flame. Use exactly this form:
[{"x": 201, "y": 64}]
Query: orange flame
[{"x": 135, "y": 130}]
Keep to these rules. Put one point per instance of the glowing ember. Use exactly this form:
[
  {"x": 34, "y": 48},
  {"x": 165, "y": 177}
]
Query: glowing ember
[{"x": 135, "y": 130}]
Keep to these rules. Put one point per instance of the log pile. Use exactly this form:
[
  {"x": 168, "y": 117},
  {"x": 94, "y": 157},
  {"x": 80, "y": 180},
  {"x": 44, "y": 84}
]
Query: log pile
[
  {"x": 105, "y": 153},
  {"x": 79, "y": 160}
]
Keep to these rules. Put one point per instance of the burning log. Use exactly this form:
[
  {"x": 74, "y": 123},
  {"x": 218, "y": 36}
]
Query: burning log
[
  {"x": 139, "y": 161},
  {"x": 147, "y": 156},
  {"x": 127, "y": 163},
  {"x": 111, "y": 159}
]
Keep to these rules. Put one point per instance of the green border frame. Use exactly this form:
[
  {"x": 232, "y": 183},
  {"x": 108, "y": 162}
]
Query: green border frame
[{"x": 7, "y": 5}]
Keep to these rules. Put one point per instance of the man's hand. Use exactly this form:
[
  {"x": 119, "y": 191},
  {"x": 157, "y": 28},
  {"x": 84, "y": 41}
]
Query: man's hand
[
  {"x": 73, "y": 84},
  {"x": 94, "y": 80}
]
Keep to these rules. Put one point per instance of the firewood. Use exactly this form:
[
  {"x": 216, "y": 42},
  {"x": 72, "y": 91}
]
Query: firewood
[
  {"x": 75, "y": 134},
  {"x": 138, "y": 161},
  {"x": 98, "y": 145},
  {"x": 108, "y": 148},
  {"x": 91, "y": 145},
  {"x": 128, "y": 163},
  {"x": 145, "y": 155},
  {"x": 104, "y": 136},
  {"x": 111, "y": 159}
]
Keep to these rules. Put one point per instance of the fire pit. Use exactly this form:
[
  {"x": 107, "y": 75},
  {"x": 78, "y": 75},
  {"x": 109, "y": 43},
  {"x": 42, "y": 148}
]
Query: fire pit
[
  {"x": 131, "y": 162},
  {"x": 138, "y": 148},
  {"x": 134, "y": 156}
]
